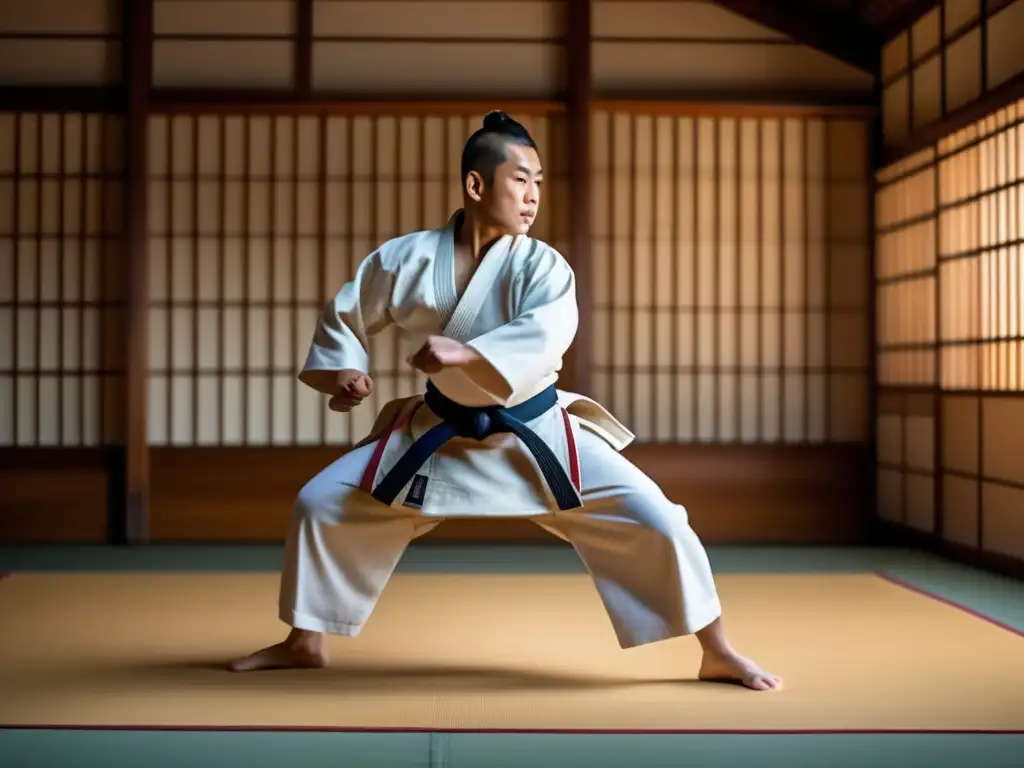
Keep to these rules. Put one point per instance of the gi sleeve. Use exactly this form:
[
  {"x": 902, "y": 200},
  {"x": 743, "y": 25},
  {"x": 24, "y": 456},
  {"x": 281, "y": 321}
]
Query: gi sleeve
[
  {"x": 530, "y": 348},
  {"x": 357, "y": 312}
]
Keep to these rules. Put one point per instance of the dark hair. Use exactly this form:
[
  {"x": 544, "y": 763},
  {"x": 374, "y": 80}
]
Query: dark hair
[{"x": 485, "y": 150}]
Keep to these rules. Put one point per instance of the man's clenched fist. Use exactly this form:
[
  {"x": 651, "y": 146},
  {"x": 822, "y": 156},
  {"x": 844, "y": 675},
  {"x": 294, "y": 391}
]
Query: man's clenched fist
[
  {"x": 352, "y": 387},
  {"x": 441, "y": 352}
]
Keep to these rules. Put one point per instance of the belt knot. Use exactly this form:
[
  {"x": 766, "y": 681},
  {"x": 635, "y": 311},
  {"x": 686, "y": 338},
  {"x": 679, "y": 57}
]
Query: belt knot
[{"x": 478, "y": 424}]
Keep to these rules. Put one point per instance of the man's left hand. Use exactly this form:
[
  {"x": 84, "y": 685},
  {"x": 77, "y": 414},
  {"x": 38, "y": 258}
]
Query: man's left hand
[{"x": 441, "y": 352}]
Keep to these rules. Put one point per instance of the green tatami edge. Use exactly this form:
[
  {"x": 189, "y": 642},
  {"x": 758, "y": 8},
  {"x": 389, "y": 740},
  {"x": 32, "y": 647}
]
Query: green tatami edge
[{"x": 157, "y": 749}]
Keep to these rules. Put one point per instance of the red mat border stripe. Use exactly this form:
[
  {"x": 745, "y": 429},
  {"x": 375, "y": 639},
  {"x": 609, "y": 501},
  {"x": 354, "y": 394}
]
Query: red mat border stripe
[
  {"x": 896, "y": 581},
  {"x": 517, "y": 731},
  {"x": 571, "y": 731}
]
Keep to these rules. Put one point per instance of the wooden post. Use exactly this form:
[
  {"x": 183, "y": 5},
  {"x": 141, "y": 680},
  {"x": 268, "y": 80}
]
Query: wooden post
[
  {"x": 131, "y": 500},
  {"x": 302, "y": 66},
  {"x": 578, "y": 362}
]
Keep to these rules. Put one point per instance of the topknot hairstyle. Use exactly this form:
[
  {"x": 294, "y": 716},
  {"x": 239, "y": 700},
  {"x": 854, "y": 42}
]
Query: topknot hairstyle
[{"x": 486, "y": 148}]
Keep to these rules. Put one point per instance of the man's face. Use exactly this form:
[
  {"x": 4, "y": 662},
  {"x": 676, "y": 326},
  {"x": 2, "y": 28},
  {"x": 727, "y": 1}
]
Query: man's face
[{"x": 511, "y": 201}]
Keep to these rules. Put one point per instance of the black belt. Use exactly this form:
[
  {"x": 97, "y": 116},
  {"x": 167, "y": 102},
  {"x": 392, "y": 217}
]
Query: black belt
[{"x": 478, "y": 423}]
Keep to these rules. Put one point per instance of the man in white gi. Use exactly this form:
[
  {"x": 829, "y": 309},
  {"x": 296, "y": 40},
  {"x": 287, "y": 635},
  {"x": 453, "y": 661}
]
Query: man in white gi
[{"x": 492, "y": 313}]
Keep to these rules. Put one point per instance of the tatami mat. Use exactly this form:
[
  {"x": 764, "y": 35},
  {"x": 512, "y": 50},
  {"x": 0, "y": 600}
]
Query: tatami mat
[{"x": 513, "y": 652}]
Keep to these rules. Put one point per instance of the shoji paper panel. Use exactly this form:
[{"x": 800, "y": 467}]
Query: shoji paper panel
[
  {"x": 905, "y": 273},
  {"x": 729, "y": 274},
  {"x": 61, "y": 285},
  {"x": 255, "y": 222},
  {"x": 981, "y": 253},
  {"x": 979, "y": 173}
]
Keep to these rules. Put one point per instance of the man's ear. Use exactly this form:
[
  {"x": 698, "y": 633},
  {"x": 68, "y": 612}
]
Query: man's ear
[{"x": 474, "y": 186}]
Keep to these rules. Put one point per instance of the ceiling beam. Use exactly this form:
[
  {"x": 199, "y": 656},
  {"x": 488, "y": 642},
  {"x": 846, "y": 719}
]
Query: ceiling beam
[{"x": 845, "y": 37}]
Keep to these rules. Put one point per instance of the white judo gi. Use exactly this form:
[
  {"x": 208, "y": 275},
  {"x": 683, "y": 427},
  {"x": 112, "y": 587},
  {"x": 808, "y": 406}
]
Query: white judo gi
[{"x": 519, "y": 313}]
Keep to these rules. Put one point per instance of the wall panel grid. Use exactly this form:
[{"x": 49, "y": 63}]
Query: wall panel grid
[
  {"x": 964, "y": 482},
  {"x": 427, "y": 46},
  {"x": 61, "y": 293},
  {"x": 368, "y": 47},
  {"x": 948, "y": 58},
  {"x": 57, "y": 42},
  {"x": 981, "y": 253},
  {"x": 255, "y": 221},
  {"x": 224, "y": 43},
  {"x": 703, "y": 48},
  {"x": 950, "y": 252},
  {"x": 983, "y": 483},
  {"x": 906, "y": 450},
  {"x": 730, "y": 277}
]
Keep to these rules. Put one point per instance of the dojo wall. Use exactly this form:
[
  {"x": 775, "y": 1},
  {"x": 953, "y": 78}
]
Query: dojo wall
[
  {"x": 746, "y": 376},
  {"x": 730, "y": 274},
  {"x": 950, "y": 291},
  {"x": 61, "y": 331}
]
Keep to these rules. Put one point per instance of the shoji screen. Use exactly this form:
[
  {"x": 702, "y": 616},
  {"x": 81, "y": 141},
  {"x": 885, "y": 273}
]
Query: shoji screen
[
  {"x": 61, "y": 353},
  {"x": 905, "y": 218},
  {"x": 981, "y": 187},
  {"x": 255, "y": 222},
  {"x": 906, "y": 338},
  {"x": 730, "y": 276},
  {"x": 950, "y": 353}
]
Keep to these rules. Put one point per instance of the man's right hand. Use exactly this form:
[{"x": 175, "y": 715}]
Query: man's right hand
[{"x": 350, "y": 390}]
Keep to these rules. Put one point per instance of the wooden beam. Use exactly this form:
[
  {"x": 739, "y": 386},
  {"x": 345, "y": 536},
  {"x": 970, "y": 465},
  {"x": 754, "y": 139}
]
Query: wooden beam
[
  {"x": 302, "y": 68},
  {"x": 579, "y": 105},
  {"x": 844, "y": 37},
  {"x": 214, "y": 101},
  {"x": 62, "y": 98},
  {"x": 876, "y": 143},
  {"x": 778, "y": 104},
  {"x": 711, "y": 108},
  {"x": 132, "y": 506}
]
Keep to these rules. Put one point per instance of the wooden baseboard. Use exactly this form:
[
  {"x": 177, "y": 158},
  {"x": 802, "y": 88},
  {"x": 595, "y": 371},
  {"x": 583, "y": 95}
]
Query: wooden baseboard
[
  {"x": 886, "y": 533},
  {"x": 54, "y": 495},
  {"x": 733, "y": 494}
]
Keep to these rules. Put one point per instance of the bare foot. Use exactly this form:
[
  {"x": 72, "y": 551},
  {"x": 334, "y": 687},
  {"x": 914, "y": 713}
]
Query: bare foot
[
  {"x": 301, "y": 650},
  {"x": 733, "y": 668}
]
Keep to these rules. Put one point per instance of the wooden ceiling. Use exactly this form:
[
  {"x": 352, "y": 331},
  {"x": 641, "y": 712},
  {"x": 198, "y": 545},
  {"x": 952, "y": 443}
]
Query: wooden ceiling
[{"x": 850, "y": 30}]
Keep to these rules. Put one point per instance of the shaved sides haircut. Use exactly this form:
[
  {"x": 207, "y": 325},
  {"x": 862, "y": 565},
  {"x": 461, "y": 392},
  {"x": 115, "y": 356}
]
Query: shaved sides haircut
[{"x": 486, "y": 149}]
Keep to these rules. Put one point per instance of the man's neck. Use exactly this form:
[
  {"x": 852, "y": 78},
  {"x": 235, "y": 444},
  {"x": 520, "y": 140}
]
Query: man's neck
[{"x": 475, "y": 238}]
